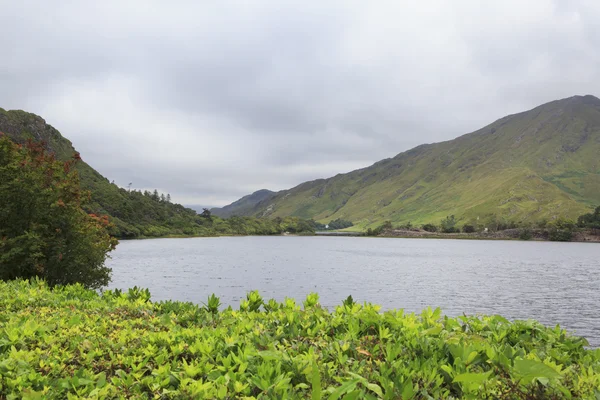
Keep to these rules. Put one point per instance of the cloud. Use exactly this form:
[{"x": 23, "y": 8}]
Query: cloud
[{"x": 212, "y": 100}]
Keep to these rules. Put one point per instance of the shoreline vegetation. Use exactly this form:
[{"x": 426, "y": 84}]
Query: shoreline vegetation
[
  {"x": 71, "y": 342},
  {"x": 585, "y": 229},
  {"x": 583, "y": 236}
]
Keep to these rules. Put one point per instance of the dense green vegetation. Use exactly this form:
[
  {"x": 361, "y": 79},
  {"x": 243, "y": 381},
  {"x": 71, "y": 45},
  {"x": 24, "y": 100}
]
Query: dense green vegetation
[
  {"x": 591, "y": 220},
  {"x": 134, "y": 213},
  {"x": 561, "y": 229},
  {"x": 75, "y": 343},
  {"x": 538, "y": 165},
  {"x": 44, "y": 232},
  {"x": 334, "y": 224}
]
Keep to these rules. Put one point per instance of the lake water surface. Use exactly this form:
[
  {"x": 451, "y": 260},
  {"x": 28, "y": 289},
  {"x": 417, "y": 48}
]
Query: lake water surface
[{"x": 555, "y": 283}]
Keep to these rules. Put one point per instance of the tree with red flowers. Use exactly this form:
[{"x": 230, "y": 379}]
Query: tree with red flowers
[{"x": 44, "y": 232}]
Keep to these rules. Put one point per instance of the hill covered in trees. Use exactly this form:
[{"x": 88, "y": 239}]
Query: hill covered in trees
[
  {"x": 135, "y": 213},
  {"x": 542, "y": 164}
]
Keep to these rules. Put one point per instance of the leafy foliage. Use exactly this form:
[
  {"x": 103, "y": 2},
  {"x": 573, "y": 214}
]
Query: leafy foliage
[
  {"x": 333, "y": 224},
  {"x": 525, "y": 234},
  {"x": 74, "y": 343},
  {"x": 430, "y": 228},
  {"x": 591, "y": 220},
  {"x": 340, "y": 224},
  {"x": 468, "y": 228},
  {"x": 43, "y": 230},
  {"x": 448, "y": 225},
  {"x": 386, "y": 226},
  {"x": 561, "y": 230}
]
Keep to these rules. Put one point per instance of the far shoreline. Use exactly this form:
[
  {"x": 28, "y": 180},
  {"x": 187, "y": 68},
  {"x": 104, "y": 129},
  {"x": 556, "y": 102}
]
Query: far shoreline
[{"x": 579, "y": 237}]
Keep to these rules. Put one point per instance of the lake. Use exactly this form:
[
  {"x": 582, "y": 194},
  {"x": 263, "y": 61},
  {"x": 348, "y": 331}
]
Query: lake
[{"x": 555, "y": 283}]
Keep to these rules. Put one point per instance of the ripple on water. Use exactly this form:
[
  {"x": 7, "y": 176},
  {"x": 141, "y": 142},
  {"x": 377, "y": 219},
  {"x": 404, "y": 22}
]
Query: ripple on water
[{"x": 551, "y": 282}]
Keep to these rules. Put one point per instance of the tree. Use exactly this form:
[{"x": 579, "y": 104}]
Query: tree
[
  {"x": 155, "y": 195},
  {"x": 468, "y": 228},
  {"x": 206, "y": 213},
  {"x": 168, "y": 198},
  {"x": 340, "y": 224},
  {"x": 591, "y": 220},
  {"x": 449, "y": 225},
  {"x": 44, "y": 232},
  {"x": 429, "y": 228}
]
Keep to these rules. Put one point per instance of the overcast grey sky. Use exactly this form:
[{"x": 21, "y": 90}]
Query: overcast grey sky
[{"x": 212, "y": 100}]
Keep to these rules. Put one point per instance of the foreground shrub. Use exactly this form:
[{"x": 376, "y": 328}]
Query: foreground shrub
[
  {"x": 44, "y": 232},
  {"x": 72, "y": 343}
]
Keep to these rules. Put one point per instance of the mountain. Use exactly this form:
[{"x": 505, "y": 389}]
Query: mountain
[
  {"x": 243, "y": 206},
  {"x": 536, "y": 165},
  {"x": 133, "y": 213}
]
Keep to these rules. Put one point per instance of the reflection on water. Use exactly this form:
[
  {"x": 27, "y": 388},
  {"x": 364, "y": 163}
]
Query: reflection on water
[{"x": 555, "y": 283}]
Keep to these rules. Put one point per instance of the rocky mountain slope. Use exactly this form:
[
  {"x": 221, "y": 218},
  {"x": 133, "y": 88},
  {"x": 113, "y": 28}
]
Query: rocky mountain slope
[{"x": 540, "y": 164}]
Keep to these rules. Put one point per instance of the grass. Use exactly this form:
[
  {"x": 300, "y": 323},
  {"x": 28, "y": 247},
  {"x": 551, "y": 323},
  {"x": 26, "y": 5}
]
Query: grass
[{"x": 70, "y": 342}]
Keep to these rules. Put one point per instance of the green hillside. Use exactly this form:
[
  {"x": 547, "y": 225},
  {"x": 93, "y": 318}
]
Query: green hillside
[
  {"x": 133, "y": 213},
  {"x": 243, "y": 205},
  {"x": 536, "y": 165}
]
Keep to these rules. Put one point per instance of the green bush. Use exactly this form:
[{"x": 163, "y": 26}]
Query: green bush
[
  {"x": 340, "y": 224},
  {"x": 386, "y": 226},
  {"x": 44, "y": 231},
  {"x": 561, "y": 230},
  {"x": 560, "y": 235},
  {"x": 591, "y": 220},
  {"x": 448, "y": 225},
  {"x": 525, "y": 234},
  {"x": 468, "y": 228},
  {"x": 74, "y": 343},
  {"x": 430, "y": 228}
]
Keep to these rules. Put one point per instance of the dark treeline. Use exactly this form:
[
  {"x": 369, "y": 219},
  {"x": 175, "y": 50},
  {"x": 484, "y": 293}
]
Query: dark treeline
[
  {"x": 333, "y": 225},
  {"x": 137, "y": 214},
  {"x": 150, "y": 214}
]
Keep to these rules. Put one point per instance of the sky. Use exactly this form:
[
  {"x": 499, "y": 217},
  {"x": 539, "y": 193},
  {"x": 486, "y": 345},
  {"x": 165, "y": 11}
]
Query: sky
[{"x": 213, "y": 100}]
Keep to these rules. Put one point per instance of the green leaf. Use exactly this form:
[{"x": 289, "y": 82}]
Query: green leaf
[
  {"x": 270, "y": 355},
  {"x": 101, "y": 381},
  {"x": 532, "y": 369},
  {"x": 74, "y": 320},
  {"x": 345, "y": 387},
  {"x": 316, "y": 382},
  {"x": 375, "y": 388},
  {"x": 408, "y": 391},
  {"x": 352, "y": 395},
  {"x": 432, "y": 331},
  {"x": 472, "y": 377}
]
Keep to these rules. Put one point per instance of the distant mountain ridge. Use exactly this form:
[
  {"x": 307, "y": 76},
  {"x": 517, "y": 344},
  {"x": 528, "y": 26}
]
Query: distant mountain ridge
[
  {"x": 243, "y": 206},
  {"x": 539, "y": 164}
]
